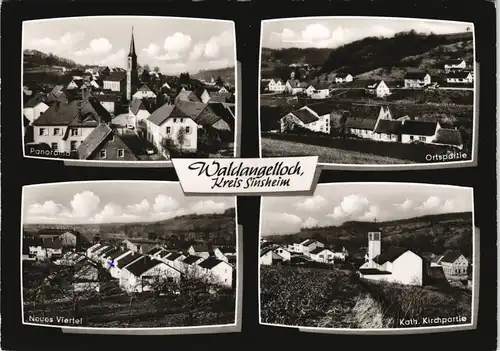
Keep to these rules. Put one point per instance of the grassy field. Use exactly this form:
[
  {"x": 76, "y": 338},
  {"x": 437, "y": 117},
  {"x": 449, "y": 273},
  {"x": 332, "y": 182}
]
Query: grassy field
[
  {"x": 278, "y": 148},
  {"x": 335, "y": 298}
]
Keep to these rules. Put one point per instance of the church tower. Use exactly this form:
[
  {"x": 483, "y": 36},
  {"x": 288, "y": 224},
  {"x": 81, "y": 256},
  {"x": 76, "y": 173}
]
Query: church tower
[
  {"x": 132, "y": 76},
  {"x": 374, "y": 245}
]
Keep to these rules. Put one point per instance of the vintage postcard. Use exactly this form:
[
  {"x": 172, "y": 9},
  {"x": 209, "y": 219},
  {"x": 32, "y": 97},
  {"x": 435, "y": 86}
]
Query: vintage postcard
[
  {"x": 369, "y": 257},
  {"x": 128, "y": 89},
  {"x": 368, "y": 91},
  {"x": 128, "y": 255}
]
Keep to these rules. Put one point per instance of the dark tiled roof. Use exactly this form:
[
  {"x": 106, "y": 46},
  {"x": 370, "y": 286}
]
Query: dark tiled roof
[
  {"x": 154, "y": 250},
  {"x": 161, "y": 115},
  {"x": 305, "y": 116},
  {"x": 210, "y": 263},
  {"x": 174, "y": 256},
  {"x": 93, "y": 140},
  {"x": 459, "y": 75},
  {"x": 142, "y": 265},
  {"x": 321, "y": 85},
  {"x": 27, "y": 242},
  {"x": 201, "y": 248},
  {"x": 307, "y": 242},
  {"x": 436, "y": 272},
  {"x": 227, "y": 249},
  {"x": 52, "y": 244},
  {"x": 321, "y": 108},
  {"x": 35, "y": 100},
  {"x": 419, "y": 128},
  {"x": 454, "y": 62},
  {"x": 106, "y": 97},
  {"x": 372, "y": 271},
  {"x": 116, "y": 76},
  {"x": 295, "y": 83},
  {"x": 388, "y": 126},
  {"x": 342, "y": 74},
  {"x": 117, "y": 254},
  {"x": 145, "y": 87},
  {"x": 318, "y": 250},
  {"x": 222, "y": 111},
  {"x": 360, "y": 123},
  {"x": 389, "y": 255},
  {"x": 128, "y": 259},
  {"x": 109, "y": 249},
  {"x": 451, "y": 256},
  {"x": 415, "y": 75},
  {"x": 191, "y": 259},
  {"x": 265, "y": 251},
  {"x": 74, "y": 113},
  {"x": 113, "y": 251},
  {"x": 448, "y": 136}
]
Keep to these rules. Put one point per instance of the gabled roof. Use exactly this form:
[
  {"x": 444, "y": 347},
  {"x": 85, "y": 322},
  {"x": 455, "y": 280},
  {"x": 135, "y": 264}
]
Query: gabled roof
[
  {"x": 389, "y": 255},
  {"x": 210, "y": 263},
  {"x": 266, "y": 250},
  {"x": 116, "y": 76},
  {"x": 319, "y": 249},
  {"x": 174, "y": 256},
  {"x": 74, "y": 113},
  {"x": 459, "y": 75},
  {"x": 201, "y": 248},
  {"x": 454, "y": 62},
  {"x": 128, "y": 259},
  {"x": 112, "y": 251},
  {"x": 321, "y": 108},
  {"x": 449, "y": 137},
  {"x": 419, "y": 128},
  {"x": 342, "y": 74},
  {"x": 295, "y": 83},
  {"x": 109, "y": 249},
  {"x": 118, "y": 253},
  {"x": 145, "y": 87},
  {"x": 35, "y": 100},
  {"x": 154, "y": 251},
  {"x": 321, "y": 85},
  {"x": 451, "y": 256},
  {"x": 305, "y": 116},
  {"x": 93, "y": 140},
  {"x": 142, "y": 265},
  {"x": 309, "y": 242},
  {"x": 51, "y": 244},
  {"x": 192, "y": 259},
  {"x": 375, "y": 85},
  {"x": 137, "y": 105},
  {"x": 416, "y": 75},
  {"x": 388, "y": 126},
  {"x": 223, "y": 111},
  {"x": 227, "y": 249},
  {"x": 106, "y": 97},
  {"x": 360, "y": 123}
]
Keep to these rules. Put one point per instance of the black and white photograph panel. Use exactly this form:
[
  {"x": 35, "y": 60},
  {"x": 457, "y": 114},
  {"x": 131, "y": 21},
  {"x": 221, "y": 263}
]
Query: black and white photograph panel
[
  {"x": 127, "y": 254},
  {"x": 368, "y": 256},
  {"x": 368, "y": 91},
  {"x": 128, "y": 89}
]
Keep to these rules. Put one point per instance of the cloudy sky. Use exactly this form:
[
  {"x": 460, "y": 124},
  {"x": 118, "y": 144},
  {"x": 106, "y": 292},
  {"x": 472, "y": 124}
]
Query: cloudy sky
[
  {"x": 337, "y": 203},
  {"x": 332, "y": 32},
  {"x": 174, "y": 44},
  {"x": 110, "y": 202}
]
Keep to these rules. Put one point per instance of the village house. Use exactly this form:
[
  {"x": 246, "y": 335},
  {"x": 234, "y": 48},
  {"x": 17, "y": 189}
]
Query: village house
[
  {"x": 139, "y": 245},
  {"x": 35, "y": 249},
  {"x": 103, "y": 258},
  {"x": 379, "y": 89},
  {"x": 112, "y": 259},
  {"x": 417, "y": 79},
  {"x": 108, "y": 101},
  {"x": 65, "y": 126},
  {"x": 421, "y": 131},
  {"x": 223, "y": 90},
  {"x": 168, "y": 120},
  {"x": 57, "y": 94},
  {"x": 453, "y": 262},
  {"x": 106, "y": 144},
  {"x": 155, "y": 252},
  {"x": 186, "y": 95},
  {"x": 340, "y": 252},
  {"x": 53, "y": 248},
  {"x": 122, "y": 261},
  {"x": 86, "y": 278},
  {"x": 218, "y": 272},
  {"x": 200, "y": 250},
  {"x": 459, "y": 77},
  {"x": 68, "y": 240},
  {"x": 294, "y": 86},
  {"x": 175, "y": 259},
  {"x": 92, "y": 249},
  {"x": 225, "y": 253},
  {"x": 144, "y": 92},
  {"x": 145, "y": 273},
  {"x": 76, "y": 82},
  {"x": 309, "y": 245},
  {"x": 94, "y": 255},
  {"x": 394, "y": 264},
  {"x": 319, "y": 90},
  {"x": 283, "y": 252},
  {"x": 454, "y": 65},
  {"x": 343, "y": 78},
  {"x": 274, "y": 85},
  {"x": 115, "y": 81},
  {"x": 322, "y": 254},
  {"x": 34, "y": 107},
  {"x": 190, "y": 266},
  {"x": 315, "y": 117},
  {"x": 269, "y": 257}
]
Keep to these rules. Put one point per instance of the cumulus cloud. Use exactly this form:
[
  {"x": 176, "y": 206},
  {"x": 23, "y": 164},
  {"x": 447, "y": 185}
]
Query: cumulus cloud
[
  {"x": 152, "y": 50},
  {"x": 287, "y": 34},
  {"x": 84, "y": 204},
  {"x": 48, "y": 208},
  {"x": 164, "y": 203},
  {"x": 99, "y": 46},
  {"x": 311, "y": 204},
  {"x": 337, "y": 213},
  {"x": 315, "y": 32},
  {"x": 212, "y": 49},
  {"x": 431, "y": 203},
  {"x": 280, "y": 223},
  {"x": 208, "y": 206},
  {"x": 176, "y": 44},
  {"x": 405, "y": 205},
  {"x": 142, "y": 207},
  {"x": 353, "y": 207},
  {"x": 116, "y": 59},
  {"x": 372, "y": 214},
  {"x": 197, "y": 52},
  {"x": 64, "y": 43},
  {"x": 310, "y": 223}
]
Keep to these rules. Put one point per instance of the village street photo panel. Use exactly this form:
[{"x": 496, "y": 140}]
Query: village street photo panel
[
  {"x": 122, "y": 255},
  {"x": 368, "y": 91},
  {"x": 129, "y": 88},
  {"x": 359, "y": 257}
]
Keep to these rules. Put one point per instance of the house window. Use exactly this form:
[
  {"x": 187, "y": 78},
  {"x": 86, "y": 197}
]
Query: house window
[
  {"x": 168, "y": 130},
  {"x": 44, "y": 131},
  {"x": 411, "y": 137},
  {"x": 182, "y": 120},
  {"x": 121, "y": 153},
  {"x": 422, "y": 138},
  {"x": 57, "y": 131},
  {"x": 188, "y": 129},
  {"x": 102, "y": 154},
  {"x": 73, "y": 146},
  {"x": 175, "y": 120},
  {"x": 74, "y": 131},
  {"x": 53, "y": 146}
]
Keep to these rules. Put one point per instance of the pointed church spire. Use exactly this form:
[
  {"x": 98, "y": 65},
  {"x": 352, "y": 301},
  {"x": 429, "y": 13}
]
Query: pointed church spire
[{"x": 132, "y": 44}]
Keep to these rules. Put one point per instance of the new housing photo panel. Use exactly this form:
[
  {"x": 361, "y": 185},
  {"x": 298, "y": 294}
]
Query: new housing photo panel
[
  {"x": 128, "y": 89},
  {"x": 127, "y": 254},
  {"x": 369, "y": 256},
  {"x": 368, "y": 91}
]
